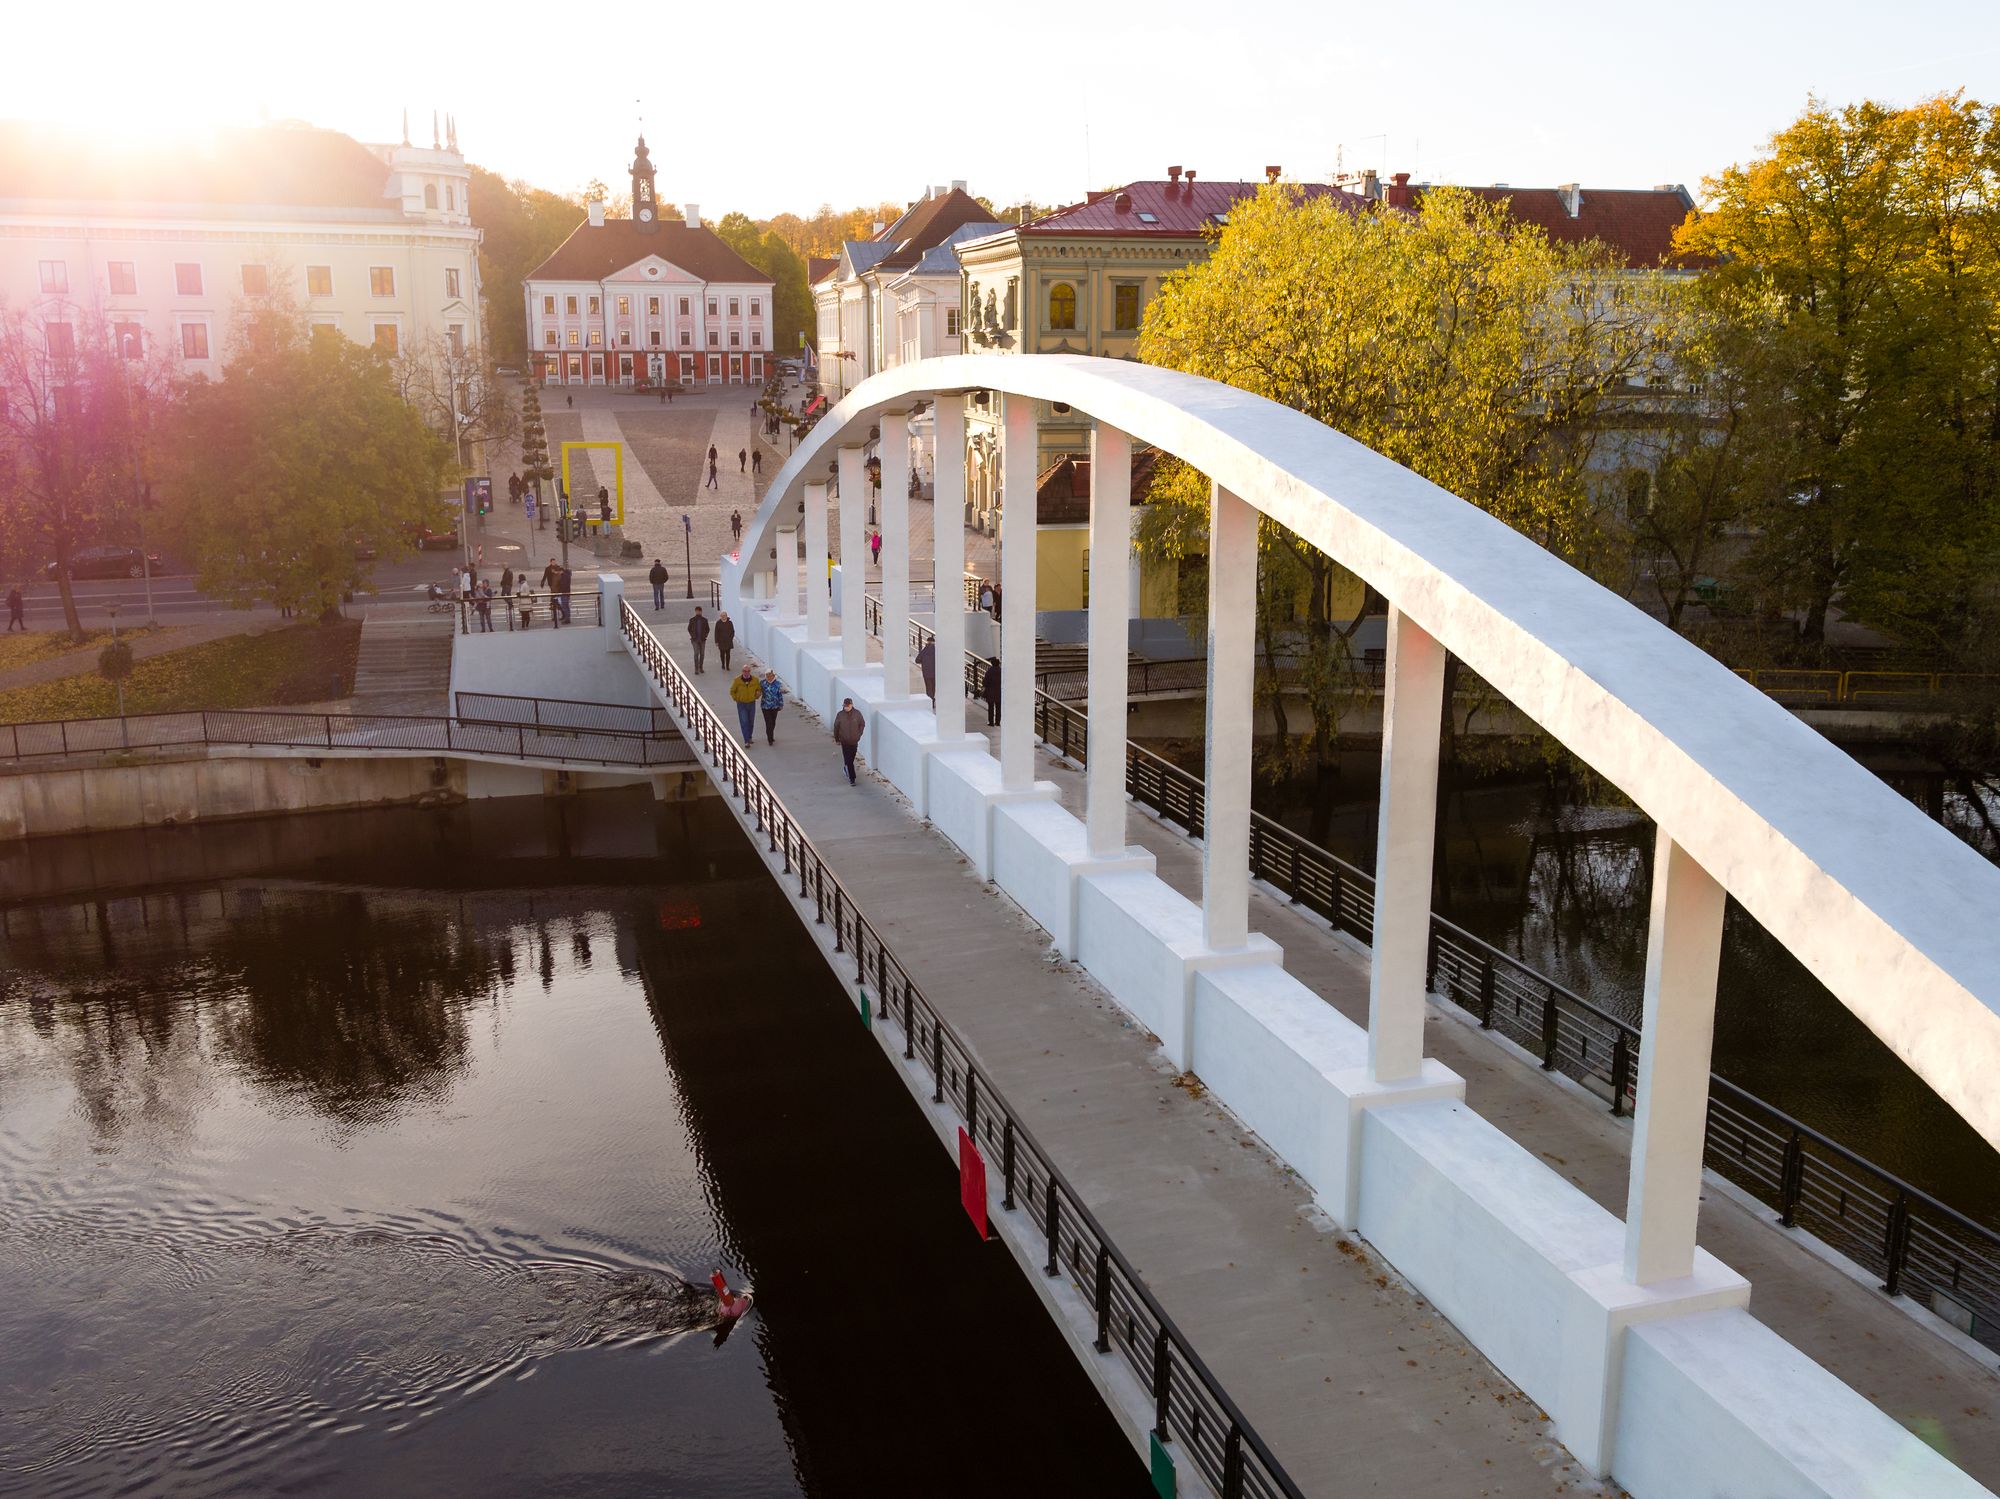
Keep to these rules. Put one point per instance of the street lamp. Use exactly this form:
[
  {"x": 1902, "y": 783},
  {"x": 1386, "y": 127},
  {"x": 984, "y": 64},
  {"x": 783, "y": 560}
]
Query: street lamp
[{"x": 687, "y": 550}]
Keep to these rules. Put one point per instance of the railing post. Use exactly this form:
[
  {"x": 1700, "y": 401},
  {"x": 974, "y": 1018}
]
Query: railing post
[
  {"x": 971, "y": 1104},
  {"x": 1551, "y": 1033},
  {"x": 1103, "y": 1342},
  {"x": 1897, "y": 1247},
  {"x": 909, "y": 1022},
  {"x": 1163, "y": 1383},
  {"x": 1486, "y": 992},
  {"x": 861, "y": 949},
  {"x": 937, "y": 1060},
  {"x": 1792, "y": 1180},
  {"x": 1052, "y": 1218},
  {"x": 1232, "y": 1463},
  {"x": 1337, "y": 896},
  {"x": 1007, "y": 1161}
]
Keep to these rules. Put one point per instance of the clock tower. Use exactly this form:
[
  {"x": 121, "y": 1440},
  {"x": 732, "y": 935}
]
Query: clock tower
[{"x": 645, "y": 203}]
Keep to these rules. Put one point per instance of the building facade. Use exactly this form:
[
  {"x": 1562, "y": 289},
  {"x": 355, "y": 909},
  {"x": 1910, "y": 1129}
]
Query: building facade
[
  {"x": 640, "y": 301},
  {"x": 166, "y": 250}
]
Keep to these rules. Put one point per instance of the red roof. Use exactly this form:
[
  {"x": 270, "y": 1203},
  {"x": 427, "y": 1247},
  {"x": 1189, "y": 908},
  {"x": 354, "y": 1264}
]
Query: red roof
[
  {"x": 1639, "y": 223},
  {"x": 819, "y": 267},
  {"x": 594, "y": 251},
  {"x": 1062, "y": 493},
  {"x": 927, "y": 224},
  {"x": 1180, "y": 208}
]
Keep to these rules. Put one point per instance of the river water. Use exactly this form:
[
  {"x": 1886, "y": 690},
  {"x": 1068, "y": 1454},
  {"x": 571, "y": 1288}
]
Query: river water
[{"x": 390, "y": 1153}]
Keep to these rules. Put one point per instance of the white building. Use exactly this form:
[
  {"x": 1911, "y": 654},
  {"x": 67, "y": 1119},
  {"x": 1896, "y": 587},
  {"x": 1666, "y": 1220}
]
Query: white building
[
  {"x": 639, "y": 301},
  {"x": 374, "y": 242}
]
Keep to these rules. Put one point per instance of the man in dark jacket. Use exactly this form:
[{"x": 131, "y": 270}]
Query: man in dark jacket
[
  {"x": 725, "y": 637},
  {"x": 698, "y": 638},
  {"x": 16, "y": 610},
  {"x": 658, "y": 578},
  {"x": 990, "y": 690},
  {"x": 927, "y": 664},
  {"x": 848, "y": 727}
]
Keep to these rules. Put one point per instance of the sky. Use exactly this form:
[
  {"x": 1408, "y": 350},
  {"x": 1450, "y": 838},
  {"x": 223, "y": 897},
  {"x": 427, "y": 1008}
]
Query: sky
[{"x": 779, "y": 106}]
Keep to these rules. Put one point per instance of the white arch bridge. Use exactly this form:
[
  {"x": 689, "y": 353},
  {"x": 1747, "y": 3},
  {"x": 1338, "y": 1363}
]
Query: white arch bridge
[{"x": 1629, "y": 1335}]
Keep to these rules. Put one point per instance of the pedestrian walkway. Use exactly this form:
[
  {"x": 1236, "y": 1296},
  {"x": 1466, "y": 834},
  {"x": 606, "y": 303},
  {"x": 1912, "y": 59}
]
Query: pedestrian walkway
[{"x": 1358, "y": 1384}]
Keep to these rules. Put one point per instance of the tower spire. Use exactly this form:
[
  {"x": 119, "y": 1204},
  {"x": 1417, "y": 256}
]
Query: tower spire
[
  {"x": 434, "y": 130},
  {"x": 406, "y": 124}
]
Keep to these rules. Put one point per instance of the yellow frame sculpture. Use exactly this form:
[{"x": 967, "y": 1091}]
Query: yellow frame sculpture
[{"x": 618, "y": 468}]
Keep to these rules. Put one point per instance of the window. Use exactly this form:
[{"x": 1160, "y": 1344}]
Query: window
[
  {"x": 256, "y": 281},
  {"x": 62, "y": 341},
  {"x": 385, "y": 338},
  {"x": 549, "y": 338},
  {"x": 735, "y": 339},
  {"x": 129, "y": 339},
  {"x": 713, "y": 338},
  {"x": 711, "y": 307},
  {"x": 624, "y": 338},
  {"x": 686, "y": 338},
  {"x": 187, "y": 283},
  {"x": 124, "y": 279},
  {"x": 756, "y": 338},
  {"x": 652, "y": 307},
  {"x": 656, "y": 338},
  {"x": 194, "y": 340},
  {"x": 575, "y": 338},
  {"x": 548, "y": 306},
  {"x": 55, "y": 277},
  {"x": 756, "y": 307},
  {"x": 1062, "y": 305},
  {"x": 1149, "y": 218},
  {"x": 1125, "y": 305},
  {"x": 430, "y": 195},
  {"x": 684, "y": 306},
  {"x": 624, "y": 306},
  {"x": 455, "y": 336},
  {"x": 569, "y": 306},
  {"x": 735, "y": 307},
  {"x": 325, "y": 331},
  {"x": 593, "y": 306},
  {"x": 451, "y": 197},
  {"x": 451, "y": 281},
  {"x": 381, "y": 281},
  {"x": 319, "y": 280},
  {"x": 951, "y": 322},
  {"x": 597, "y": 338},
  {"x": 715, "y": 367}
]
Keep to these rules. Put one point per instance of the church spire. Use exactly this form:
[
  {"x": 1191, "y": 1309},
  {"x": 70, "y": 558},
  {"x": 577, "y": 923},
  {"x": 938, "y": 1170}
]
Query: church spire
[
  {"x": 434, "y": 130},
  {"x": 645, "y": 203}
]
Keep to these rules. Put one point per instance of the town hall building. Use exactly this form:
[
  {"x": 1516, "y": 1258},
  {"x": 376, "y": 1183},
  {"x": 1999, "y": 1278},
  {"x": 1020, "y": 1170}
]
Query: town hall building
[{"x": 647, "y": 301}]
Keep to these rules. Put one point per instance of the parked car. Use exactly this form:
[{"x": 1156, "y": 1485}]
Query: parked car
[
  {"x": 107, "y": 562},
  {"x": 431, "y": 539}
]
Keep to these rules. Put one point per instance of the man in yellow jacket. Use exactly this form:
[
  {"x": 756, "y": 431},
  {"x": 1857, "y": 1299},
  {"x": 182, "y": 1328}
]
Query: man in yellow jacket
[{"x": 743, "y": 690}]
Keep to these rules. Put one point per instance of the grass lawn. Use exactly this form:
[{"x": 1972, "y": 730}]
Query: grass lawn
[
  {"x": 299, "y": 664},
  {"x": 24, "y": 648}
]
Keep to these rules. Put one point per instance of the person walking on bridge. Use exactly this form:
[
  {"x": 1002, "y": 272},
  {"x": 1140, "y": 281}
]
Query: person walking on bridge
[
  {"x": 771, "y": 698},
  {"x": 698, "y": 638},
  {"x": 725, "y": 638},
  {"x": 736, "y": 525},
  {"x": 848, "y": 727},
  {"x": 744, "y": 690},
  {"x": 927, "y": 664},
  {"x": 658, "y": 578},
  {"x": 990, "y": 690}
]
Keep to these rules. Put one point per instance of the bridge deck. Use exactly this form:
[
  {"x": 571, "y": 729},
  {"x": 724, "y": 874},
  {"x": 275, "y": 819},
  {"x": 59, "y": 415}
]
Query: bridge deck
[{"x": 1358, "y": 1385}]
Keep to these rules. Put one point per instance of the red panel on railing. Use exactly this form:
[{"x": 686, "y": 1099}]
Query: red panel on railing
[{"x": 972, "y": 1181}]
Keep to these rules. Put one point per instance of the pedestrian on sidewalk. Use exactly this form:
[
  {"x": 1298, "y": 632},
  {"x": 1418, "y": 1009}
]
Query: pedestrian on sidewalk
[
  {"x": 990, "y": 690},
  {"x": 742, "y": 460},
  {"x": 562, "y": 593},
  {"x": 507, "y": 581},
  {"x": 725, "y": 637},
  {"x": 486, "y": 608},
  {"x": 712, "y": 455},
  {"x": 875, "y": 546},
  {"x": 996, "y": 603},
  {"x": 658, "y": 578},
  {"x": 698, "y": 638},
  {"x": 736, "y": 525},
  {"x": 570, "y": 401},
  {"x": 927, "y": 664},
  {"x": 985, "y": 597},
  {"x": 744, "y": 690},
  {"x": 771, "y": 698},
  {"x": 603, "y": 506},
  {"x": 712, "y": 484},
  {"x": 757, "y": 462},
  {"x": 848, "y": 727},
  {"x": 16, "y": 611}
]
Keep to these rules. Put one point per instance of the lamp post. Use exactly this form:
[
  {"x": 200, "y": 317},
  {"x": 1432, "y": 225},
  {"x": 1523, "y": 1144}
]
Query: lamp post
[{"x": 687, "y": 550}]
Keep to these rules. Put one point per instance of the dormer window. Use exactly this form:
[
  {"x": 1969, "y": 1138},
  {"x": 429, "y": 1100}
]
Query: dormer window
[{"x": 1149, "y": 218}]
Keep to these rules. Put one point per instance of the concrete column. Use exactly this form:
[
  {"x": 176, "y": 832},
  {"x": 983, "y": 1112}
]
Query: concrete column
[
  {"x": 853, "y": 558},
  {"x": 1110, "y": 587},
  {"x": 788, "y": 578},
  {"x": 818, "y": 609},
  {"x": 894, "y": 509},
  {"x": 1683, "y": 951},
  {"x": 1017, "y": 596},
  {"x": 1406, "y": 823},
  {"x": 1232, "y": 665},
  {"x": 948, "y": 565}
]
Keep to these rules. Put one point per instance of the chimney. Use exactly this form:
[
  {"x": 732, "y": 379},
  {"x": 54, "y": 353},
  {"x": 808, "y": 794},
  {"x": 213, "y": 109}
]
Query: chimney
[
  {"x": 1399, "y": 194},
  {"x": 1095, "y": 197},
  {"x": 597, "y": 213},
  {"x": 1123, "y": 202},
  {"x": 693, "y": 218},
  {"x": 1271, "y": 174},
  {"x": 1572, "y": 196},
  {"x": 1190, "y": 179},
  {"x": 1371, "y": 185},
  {"x": 1173, "y": 174}
]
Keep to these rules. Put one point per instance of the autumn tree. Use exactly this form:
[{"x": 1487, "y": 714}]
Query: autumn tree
[
  {"x": 1876, "y": 233},
  {"x": 453, "y": 387},
  {"x": 791, "y": 297},
  {"x": 520, "y": 226},
  {"x": 278, "y": 478},
  {"x": 77, "y": 396},
  {"x": 1455, "y": 341}
]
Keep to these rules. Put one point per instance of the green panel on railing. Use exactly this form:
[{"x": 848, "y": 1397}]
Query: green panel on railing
[{"x": 1164, "y": 1482}]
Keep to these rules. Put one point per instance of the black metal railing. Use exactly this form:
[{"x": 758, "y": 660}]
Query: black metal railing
[
  {"x": 1192, "y": 1411},
  {"x": 531, "y": 609},
  {"x": 1142, "y": 678},
  {"x": 1918, "y": 1245},
  {"x": 348, "y": 733},
  {"x": 563, "y": 713}
]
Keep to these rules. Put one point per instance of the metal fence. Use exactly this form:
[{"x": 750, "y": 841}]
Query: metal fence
[
  {"x": 525, "y": 610},
  {"x": 563, "y": 713},
  {"x": 345, "y": 733},
  {"x": 1918, "y": 1245},
  {"x": 1191, "y": 1410},
  {"x": 1800, "y": 688}
]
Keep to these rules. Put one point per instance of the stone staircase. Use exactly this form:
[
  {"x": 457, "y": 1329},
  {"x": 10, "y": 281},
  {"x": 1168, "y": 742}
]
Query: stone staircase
[{"x": 405, "y": 664}]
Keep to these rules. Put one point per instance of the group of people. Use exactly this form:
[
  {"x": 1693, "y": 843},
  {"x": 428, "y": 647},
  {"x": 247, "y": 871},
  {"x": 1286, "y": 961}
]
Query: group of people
[
  {"x": 724, "y": 630},
  {"x": 515, "y": 594},
  {"x": 753, "y": 694}
]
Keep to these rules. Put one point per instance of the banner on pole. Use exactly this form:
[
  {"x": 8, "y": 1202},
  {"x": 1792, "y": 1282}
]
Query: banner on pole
[{"x": 972, "y": 1181}]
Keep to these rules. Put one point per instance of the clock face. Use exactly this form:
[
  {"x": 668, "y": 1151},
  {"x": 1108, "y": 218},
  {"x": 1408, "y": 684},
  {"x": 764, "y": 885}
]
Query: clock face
[{"x": 645, "y": 215}]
